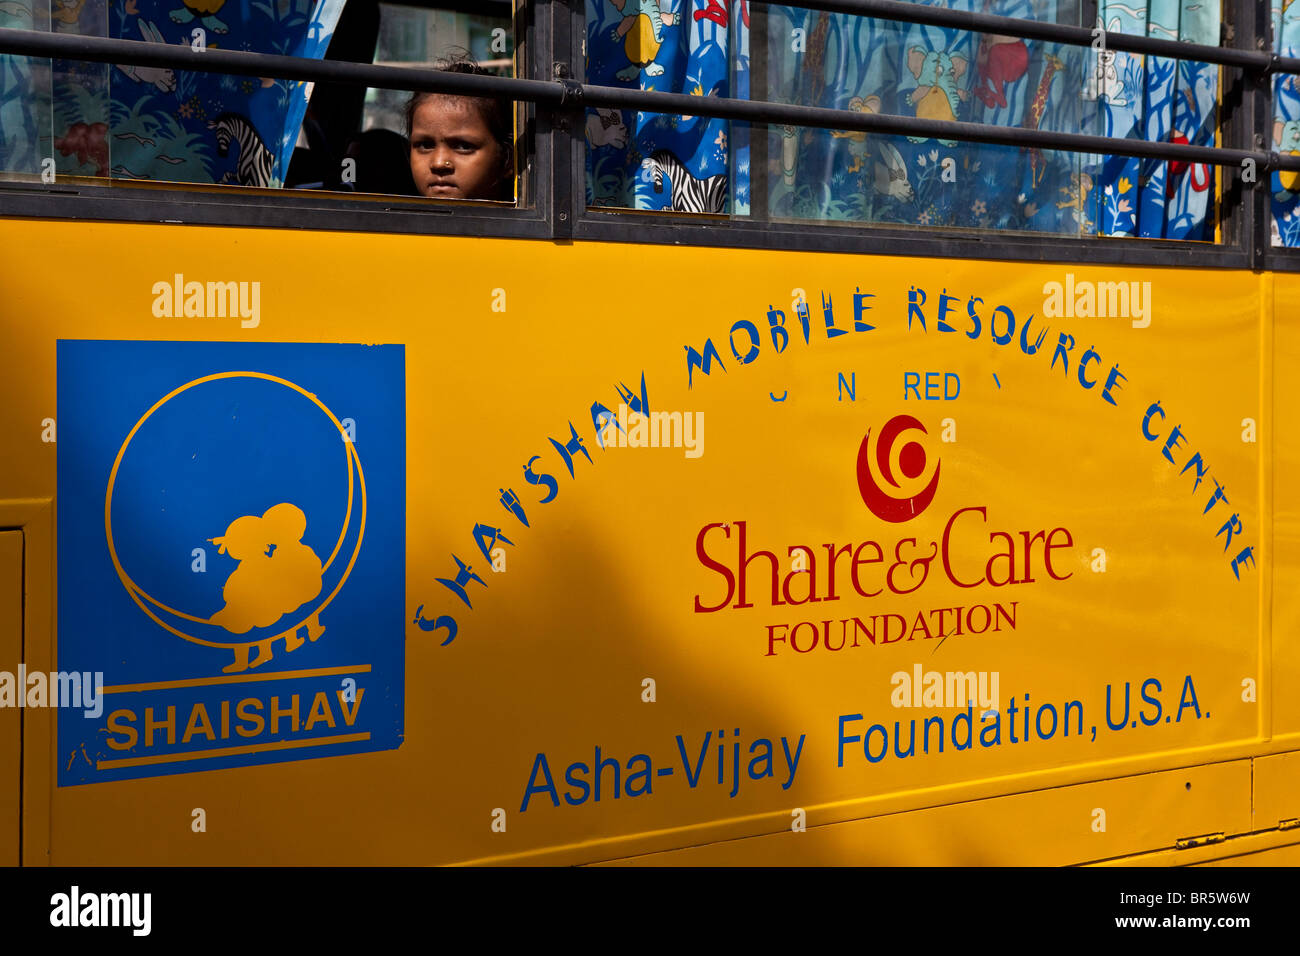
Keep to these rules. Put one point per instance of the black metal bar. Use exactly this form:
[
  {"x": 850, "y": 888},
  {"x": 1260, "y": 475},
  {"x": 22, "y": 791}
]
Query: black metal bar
[
  {"x": 251, "y": 207},
  {"x": 1052, "y": 32},
  {"x": 564, "y": 92},
  {"x": 107, "y": 50},
  {"x": 759, "y": 137},
  {"x": 576, "y": 57},
  {"x": 811, "y": 116},
  {"x": 1236, "y": 121},
  {"x": 1259, "y": 99},
  {"x": 563, "y": 126},
  {"x": 862, "y": 238},
  {"x": 283, "y": 210},
  {"x": 532, "y": 180},
  {"x": 139, "y": 53}
]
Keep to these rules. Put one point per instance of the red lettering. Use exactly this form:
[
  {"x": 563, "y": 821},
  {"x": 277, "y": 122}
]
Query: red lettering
[
  {"x": 771, "y": 651},
  {"x": 902, "y": 628},
  {"x": 1047, "y": 552},
  {"x": 794, "y": 637},
  {"x": 911, "y": 566},
  {"x": 1029, "y": 554},
  {"x": 947, "y": 532},
  {"x": 713, "y": 566},
  {"x": 810, "y": 573},
  {"x": 880, "y": 556},
  {"x": 1009, "y": 554},
  {"x": 744, "y": 570},
  {"x": 831, "y": 557}
]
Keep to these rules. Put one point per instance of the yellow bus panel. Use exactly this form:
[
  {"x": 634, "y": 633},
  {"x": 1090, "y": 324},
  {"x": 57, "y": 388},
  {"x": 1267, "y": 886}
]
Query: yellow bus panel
[{"x": 389, "y": 549}]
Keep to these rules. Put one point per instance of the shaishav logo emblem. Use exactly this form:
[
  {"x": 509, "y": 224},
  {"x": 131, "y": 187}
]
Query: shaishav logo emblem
[{"x": 275, "y": 591}]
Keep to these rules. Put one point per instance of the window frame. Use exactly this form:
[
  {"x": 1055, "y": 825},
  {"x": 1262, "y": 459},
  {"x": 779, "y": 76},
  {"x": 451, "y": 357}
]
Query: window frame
[
  {"x": 315, "y": 210},
  {"x": 550, "y": 45}
]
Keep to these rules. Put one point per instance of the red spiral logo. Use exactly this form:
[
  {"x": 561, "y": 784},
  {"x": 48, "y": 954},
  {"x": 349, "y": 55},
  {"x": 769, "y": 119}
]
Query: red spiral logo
[{"x": 892, "y": 470}]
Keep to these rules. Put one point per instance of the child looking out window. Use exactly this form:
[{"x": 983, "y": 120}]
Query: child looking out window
[{"x": 461, "y": 146}]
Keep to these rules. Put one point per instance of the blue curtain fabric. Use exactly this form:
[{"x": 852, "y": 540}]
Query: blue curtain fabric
[
  {"x": 661, "y": 162},
  {"x": 132, "y": 122},
  {"x": 848, "y": 62},
  {"x": 879, "y": 66},
  {"x": 1286, "y": 126},
  {"x": 1162, "y": 100},
  {"x": 24, "y": 93}
]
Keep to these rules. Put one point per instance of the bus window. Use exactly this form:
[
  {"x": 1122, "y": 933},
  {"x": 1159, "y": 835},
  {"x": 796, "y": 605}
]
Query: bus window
[
  {"x": 419, "y": 36},
  {"x": 654, "y": 161},
  {"x": 90, "y": 122},
  {"x": 1285, "y": 186},
  {"x": 127, "y": 122},
  {"x": 790, "y": 55},
  {"x": 867, "y": 65},
  {"x": 25, "y": 107},
  {"x": 355, "y": 140}
]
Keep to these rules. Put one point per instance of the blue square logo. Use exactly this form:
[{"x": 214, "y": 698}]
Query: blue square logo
[{"x": 231, "y": 551}]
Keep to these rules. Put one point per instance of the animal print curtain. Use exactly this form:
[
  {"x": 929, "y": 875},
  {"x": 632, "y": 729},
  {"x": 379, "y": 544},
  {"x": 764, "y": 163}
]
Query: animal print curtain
[
  {"x": 1286, "y": 126},
  {"x": 1157, "y": 99},
  {"x": 880, "y": 66},
  {"x": 24, "y": 94},
  {"x": 132, "y": 122},
  {"x": 662, "y": 162},
  {"x": 857, "y": 63}
]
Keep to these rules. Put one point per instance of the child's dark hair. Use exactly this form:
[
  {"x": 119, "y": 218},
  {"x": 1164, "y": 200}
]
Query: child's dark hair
[{"x": 496, "y": 110}]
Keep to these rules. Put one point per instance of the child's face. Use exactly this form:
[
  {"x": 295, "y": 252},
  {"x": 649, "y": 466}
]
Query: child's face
[{"x": 453, "y": 153}]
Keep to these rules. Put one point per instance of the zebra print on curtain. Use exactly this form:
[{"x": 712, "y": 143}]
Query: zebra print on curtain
[
  {"x": 160, "y": 124},
  {"x": 660, "y": 162}
]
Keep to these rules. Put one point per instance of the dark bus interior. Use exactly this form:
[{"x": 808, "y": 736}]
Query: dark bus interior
[{"x": 338, "y": 124}]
